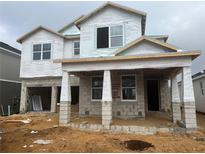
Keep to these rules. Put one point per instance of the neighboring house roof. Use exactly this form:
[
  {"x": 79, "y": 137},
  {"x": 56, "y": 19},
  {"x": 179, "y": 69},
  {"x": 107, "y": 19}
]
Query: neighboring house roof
[
  {"x": 165, "y": 37},
  {"x": 193, "y": 54},
  {"x": 46, "y": 29},
  {"x": 198, "y": 75},
  {"x": 69, "y": 24},
  {"x": 9, "y": 48},
  {"x": 145, "y": 38},
  {"x": 143, "y": 14}
]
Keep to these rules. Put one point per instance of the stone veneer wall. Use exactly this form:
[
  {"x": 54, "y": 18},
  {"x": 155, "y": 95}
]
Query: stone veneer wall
[{"x": 122, "y": 109}]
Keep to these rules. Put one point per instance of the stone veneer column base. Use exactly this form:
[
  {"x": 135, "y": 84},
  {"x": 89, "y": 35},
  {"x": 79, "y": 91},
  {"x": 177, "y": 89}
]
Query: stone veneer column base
[
  {"x": 189, "y": 115},
  {"x": 176, "y": 109},
  {"x": 65, "y": 112},
  {"x": 106, "y": 114}
]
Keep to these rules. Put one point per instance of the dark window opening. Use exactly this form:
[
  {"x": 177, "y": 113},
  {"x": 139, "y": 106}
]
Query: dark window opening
[
  {"x": 153, "y": 95},
  {"x": 103, "y": 37}
]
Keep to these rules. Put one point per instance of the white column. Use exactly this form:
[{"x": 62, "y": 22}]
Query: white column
[
  {"x": 176, "y": 110},
  {"x": 65, "y": 100},
  {"x": 53, "y": 99},
  {"x": 107, "y": 100},
  {"x": 23, "y": 102},
  {"x": 189, "y": 118}
]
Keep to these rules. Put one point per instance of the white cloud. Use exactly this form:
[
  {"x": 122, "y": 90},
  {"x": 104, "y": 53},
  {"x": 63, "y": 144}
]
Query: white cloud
[{"x": 7, "y": 36}]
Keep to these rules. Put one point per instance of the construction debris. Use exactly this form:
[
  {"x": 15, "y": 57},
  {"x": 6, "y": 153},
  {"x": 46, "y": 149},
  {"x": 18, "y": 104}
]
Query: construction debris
[
  {"x": 43, "y": 141},
  {"x": 34, "y": 132},
  {"x": 19, "y": 121},
  {"x": 36, "y": 103},
  {"x": 49, "y": 120},
  {"x": 25, "y": 146},
  {"x": 30, "y": 146}
]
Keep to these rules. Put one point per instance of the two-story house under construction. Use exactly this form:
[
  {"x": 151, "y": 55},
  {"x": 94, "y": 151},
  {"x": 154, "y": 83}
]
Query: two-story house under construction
[{"x": 104, "y": 61}]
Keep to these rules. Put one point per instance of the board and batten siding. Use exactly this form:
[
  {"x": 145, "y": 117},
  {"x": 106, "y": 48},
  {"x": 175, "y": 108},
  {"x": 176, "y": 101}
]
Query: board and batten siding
[
  {"x": 107, "y": 17},
  {"x": 44, "y": 68}
]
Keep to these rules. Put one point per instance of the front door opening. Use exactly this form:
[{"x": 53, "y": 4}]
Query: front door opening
[{"x": 153, "y": 95}]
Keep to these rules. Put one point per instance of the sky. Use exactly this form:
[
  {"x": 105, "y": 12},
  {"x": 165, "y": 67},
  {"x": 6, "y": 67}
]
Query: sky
[{"x": 184, "y": 22}]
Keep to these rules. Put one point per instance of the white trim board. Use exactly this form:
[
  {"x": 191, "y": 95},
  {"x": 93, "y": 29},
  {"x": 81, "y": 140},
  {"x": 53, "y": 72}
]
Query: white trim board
[{"x": 12, "y": 81}]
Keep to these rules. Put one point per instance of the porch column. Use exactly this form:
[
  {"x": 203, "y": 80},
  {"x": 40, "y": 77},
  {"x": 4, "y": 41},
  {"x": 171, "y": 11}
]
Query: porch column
[
  {"x": 176, "y": 110},
  {"x": 107, "y": 100},
  {"x": 53, "y": 99},
  {"x": 189, "y": 118},
  {"x": 24, "y": 95},
  {"x": 65, "y": 100}
]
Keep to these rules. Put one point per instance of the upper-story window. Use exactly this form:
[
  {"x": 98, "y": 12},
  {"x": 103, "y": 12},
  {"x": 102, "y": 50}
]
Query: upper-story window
[
  {"x": 76, "y": 48},
  {"x": 108, "y": 37},
  {"x": 42, "y": 51}
]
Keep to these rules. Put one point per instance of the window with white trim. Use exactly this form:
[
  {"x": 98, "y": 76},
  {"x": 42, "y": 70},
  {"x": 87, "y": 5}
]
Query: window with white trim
[
  {"x": 97, "y": 87},
  {"x": 128, "y": 87},
  {"x": 76, "y": 48},
  {"x": 42, "y": 51},
  {"x": 116, "y": 36},
  {"x": 108, "y": 37},
  {"x": 201, "y": 88}
]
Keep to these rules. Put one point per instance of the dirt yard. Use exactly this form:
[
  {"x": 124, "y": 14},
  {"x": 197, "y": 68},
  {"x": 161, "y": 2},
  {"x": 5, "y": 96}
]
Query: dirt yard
[{"x": 19, "y": 137}]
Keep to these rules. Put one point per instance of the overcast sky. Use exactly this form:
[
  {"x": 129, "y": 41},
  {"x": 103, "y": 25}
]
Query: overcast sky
[{"x": 184, "y": 22}]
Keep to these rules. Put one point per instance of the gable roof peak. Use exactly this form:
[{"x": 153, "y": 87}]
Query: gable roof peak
[
  {"x": 118, "y": 6},
  {"x": 142, "y": 38},
  {"x": 35, "y": 30}
]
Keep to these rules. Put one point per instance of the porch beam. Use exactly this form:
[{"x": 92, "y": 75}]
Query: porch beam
[
  {"x": 129, "y": 64},
  {"x": 107, "y": 100},
  {"x": 65, "y": 100},
  {"x": 189, "y": 109},
  {"x": 176, "y": 106}
]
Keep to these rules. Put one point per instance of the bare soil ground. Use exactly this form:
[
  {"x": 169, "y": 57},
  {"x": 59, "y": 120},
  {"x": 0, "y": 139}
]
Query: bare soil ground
[{"x": 16, "y": 135}]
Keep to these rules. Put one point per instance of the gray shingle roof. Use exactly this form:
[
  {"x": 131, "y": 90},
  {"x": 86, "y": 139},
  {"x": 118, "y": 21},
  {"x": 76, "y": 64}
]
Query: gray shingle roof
[{"x": 8, "y": 47}]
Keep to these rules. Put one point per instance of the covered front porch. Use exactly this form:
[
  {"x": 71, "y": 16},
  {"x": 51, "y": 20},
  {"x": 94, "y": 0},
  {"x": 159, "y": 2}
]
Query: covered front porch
[{"x": 130, "y": 88}]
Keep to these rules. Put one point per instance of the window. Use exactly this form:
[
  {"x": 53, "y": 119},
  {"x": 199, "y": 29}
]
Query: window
[
  {"x": 97, "y": 86},
  {"x": 102, "y": 37},
  {"x": 110, "y": 36},
  {"x": 116, "y": 36},
  {"x": 36, "y": 51},
  {"x": 76, "y": 48},
  {"x": 128, "y": 87},
  {"x": 202, "y": 88},
  {"x": 42, "y": 51}
]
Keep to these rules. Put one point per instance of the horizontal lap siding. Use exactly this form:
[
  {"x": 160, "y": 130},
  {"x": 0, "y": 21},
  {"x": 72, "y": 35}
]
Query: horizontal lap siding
[
  {"x": 109, "y": 16},
  {"x": 30, "y": 68}
]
